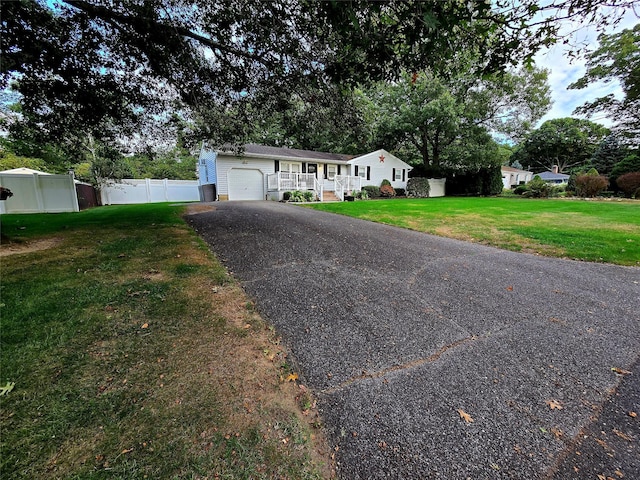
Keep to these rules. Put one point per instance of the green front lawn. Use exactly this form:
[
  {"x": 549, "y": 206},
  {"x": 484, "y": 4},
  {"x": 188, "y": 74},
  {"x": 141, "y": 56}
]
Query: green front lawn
[
  {"x": 135, "y": 355},
  {"x": 597, "y": 231}
]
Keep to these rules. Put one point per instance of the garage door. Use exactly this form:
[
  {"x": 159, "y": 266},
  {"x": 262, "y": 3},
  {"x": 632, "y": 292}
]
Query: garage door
[{"x": 245, "y": 184}]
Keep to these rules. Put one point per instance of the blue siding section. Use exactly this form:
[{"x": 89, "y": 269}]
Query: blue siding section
[{"x": 207, "y": 167}]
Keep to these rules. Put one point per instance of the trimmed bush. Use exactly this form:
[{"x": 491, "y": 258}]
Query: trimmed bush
[
  {"x": 418, "y": 187},
  {"x": 520, "y": 189},
  {"x": 286, "y": 196},
  {"x": 372, "y": 191},
  {"x": 629, "y": 183},
  {"x": 591, "y": 184},
  {"x": 387, "y": 191},
  {"x": 401, "y": 192}
]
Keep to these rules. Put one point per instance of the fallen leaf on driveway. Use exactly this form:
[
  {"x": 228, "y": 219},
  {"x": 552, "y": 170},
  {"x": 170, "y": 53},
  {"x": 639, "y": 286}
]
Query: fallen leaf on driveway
[
  {"x": 292, "y": 377},
  {"x": 633, "y": 414},
  {"x": 623, "y": 435},
  {"x": 509, "y": 289},
  {"x": 620, "y": 371},
  {"x": 465, "y": 416},
  {"x": 554, "y": 404}
]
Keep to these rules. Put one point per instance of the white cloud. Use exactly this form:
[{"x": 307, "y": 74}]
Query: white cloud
[{"x": 565, "y": 70}]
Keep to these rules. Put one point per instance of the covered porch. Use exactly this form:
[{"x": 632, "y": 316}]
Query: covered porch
[{"x": 340, "y": 185}]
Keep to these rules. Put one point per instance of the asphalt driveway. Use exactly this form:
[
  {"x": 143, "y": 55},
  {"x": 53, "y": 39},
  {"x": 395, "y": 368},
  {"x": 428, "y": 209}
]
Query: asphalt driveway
[{"x": 434, "y": 358}]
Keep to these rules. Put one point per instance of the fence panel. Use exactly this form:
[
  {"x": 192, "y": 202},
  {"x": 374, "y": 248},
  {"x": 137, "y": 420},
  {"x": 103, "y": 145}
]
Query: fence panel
[
  {"x": 132, "y": 191},
  {"x": 36, "y": 193}
]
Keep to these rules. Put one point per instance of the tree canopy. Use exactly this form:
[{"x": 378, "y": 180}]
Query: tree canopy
[
  {"x": 565, "y": 142},
  {"x": 616, "y": 59},
  {"x": 447, "y": 121},
  {"x": 106, "y": 68}
]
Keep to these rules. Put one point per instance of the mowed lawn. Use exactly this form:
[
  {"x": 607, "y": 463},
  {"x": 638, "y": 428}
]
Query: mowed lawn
[
  {"x": 132, "y": 354},
  {"x": 597, "y": 231}
]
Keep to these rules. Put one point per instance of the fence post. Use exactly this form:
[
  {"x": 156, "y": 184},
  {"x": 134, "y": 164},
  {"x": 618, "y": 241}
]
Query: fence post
[
  {"x": 36, "y": 187},
  {"x": 74, "y": 194},
  {"x": 147, "y": 182}
]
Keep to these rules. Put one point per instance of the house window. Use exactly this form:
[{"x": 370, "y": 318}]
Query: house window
[
  {"x": 362, "y": 172},
  {"x": 397, "y": 174},
  {"x": 332, "y": 170},
  {"x": 290, "y": 167}
]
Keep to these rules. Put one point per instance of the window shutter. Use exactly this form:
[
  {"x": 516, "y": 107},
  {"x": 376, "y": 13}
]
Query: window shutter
[
  {"x": 277, "y": 162},
  {"x": 404, "y": 173},
  {"x": 304, "y": 168},
  {"x": 393, "y": 174},
  {"x": 368, "y": 173},
  {"x": 339, "y": 169},
  {"x": 325, "y": 170},
  {"x": 356, "y": 172}
]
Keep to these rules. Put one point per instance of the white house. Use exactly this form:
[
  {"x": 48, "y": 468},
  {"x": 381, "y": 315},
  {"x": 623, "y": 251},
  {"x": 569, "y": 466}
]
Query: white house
[
  {"x": 512, "y": 177},
  {"x": 265, "y": 173}
]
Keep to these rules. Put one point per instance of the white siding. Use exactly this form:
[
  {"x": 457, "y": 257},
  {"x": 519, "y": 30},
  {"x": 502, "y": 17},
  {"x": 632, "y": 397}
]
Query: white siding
[{"x": 381, "y": 170}]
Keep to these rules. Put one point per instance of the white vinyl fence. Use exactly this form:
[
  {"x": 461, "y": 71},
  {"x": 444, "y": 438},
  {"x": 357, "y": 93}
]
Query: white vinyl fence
[
  {"x": 149, "y": 191},
  {"x": 39, "y": 193}
]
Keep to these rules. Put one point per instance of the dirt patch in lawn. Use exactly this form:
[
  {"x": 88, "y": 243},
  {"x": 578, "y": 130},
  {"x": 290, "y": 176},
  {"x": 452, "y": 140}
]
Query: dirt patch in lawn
[
  {"x": 15, "y": 248},
  {"x": 199, "y": 208}
]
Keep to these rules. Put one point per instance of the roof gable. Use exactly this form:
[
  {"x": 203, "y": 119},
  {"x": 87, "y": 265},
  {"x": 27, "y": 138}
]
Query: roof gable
[{"x": 374, "y": 158}]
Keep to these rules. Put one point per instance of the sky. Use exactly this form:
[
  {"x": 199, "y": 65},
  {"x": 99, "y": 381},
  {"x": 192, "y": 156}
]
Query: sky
[{"x": 564, "y": 71}]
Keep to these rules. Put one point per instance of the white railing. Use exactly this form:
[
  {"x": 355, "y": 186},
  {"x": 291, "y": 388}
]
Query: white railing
[
  {"x": 291, "y": 181},
  {"x": 350, "y": 182},
  {"x": 339, "y": 191}
]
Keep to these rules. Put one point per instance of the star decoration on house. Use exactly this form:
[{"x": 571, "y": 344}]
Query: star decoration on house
[{"x": 381, "y": 157}]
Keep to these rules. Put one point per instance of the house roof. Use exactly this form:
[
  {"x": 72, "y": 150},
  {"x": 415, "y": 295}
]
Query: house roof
[
  {"x": 552, "y": 176},
  {"x": 513, "y": 170},
  {"x": 286, "y": 153}
]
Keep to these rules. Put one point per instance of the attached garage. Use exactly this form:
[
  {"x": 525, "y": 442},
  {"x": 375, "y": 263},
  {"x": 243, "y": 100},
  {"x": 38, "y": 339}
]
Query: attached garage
[{"x": 245, "y": 184}]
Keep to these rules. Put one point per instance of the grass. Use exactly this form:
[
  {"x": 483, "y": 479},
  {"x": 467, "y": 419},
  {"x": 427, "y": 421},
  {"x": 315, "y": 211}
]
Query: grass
[
  {"x": 596, "y": 231},
  {"x": 134, "y": 355}
]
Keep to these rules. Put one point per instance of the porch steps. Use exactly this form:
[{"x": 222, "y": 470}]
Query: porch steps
[{"x": 329, "y": 197}]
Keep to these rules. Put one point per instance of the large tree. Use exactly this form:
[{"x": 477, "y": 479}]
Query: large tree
[
  {"x": 616, "y": 59},
  {"x": 562, "y": 142},
  {"x": 101, "y": 67},
  {"x": 446, "y": 120}
]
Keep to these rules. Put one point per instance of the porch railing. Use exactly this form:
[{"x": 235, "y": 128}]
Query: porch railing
[
  {"x": 347, "y": 184},
  {"x": 291, "y": 181}
]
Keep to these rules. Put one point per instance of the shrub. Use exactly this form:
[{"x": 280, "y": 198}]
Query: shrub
[
  {"x": 385, "y": 182},
  {"x": 520, "y": 189},
  {"x": 401, "y": 192},
  {"x": 629, "y": 183},
  {"x": 418, "y": 187},
  {"x": 590, "y": 184},
  {"x": 538, "y": 188},
  {"x": 372, "y": 191},
  {"x": 297, "y": 196},
  {"x": 286, "y": 196},
  {"x": 360, "y": 194},
  {"x": 308, "y": 195},
  {"x": 491, "y": 180},
  {"x": 387, "y": 191}
]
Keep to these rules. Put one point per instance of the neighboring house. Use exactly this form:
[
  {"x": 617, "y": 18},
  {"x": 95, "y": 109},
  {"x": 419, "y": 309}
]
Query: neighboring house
[
  {"x": 554, "y": 177},
  {"x": 262, "y": 172},
  {"x": 512, "y": 177}
]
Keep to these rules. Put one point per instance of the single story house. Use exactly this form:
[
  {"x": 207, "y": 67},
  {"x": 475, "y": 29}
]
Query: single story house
[
  {"x": 265, "y": 173},
  {"x": 512, "y": 177},
  {"x": 554, "y": 177}
]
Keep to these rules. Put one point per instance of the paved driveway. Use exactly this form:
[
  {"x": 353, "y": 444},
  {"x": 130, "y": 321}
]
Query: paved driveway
[{"x": 402, "y": 334}]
